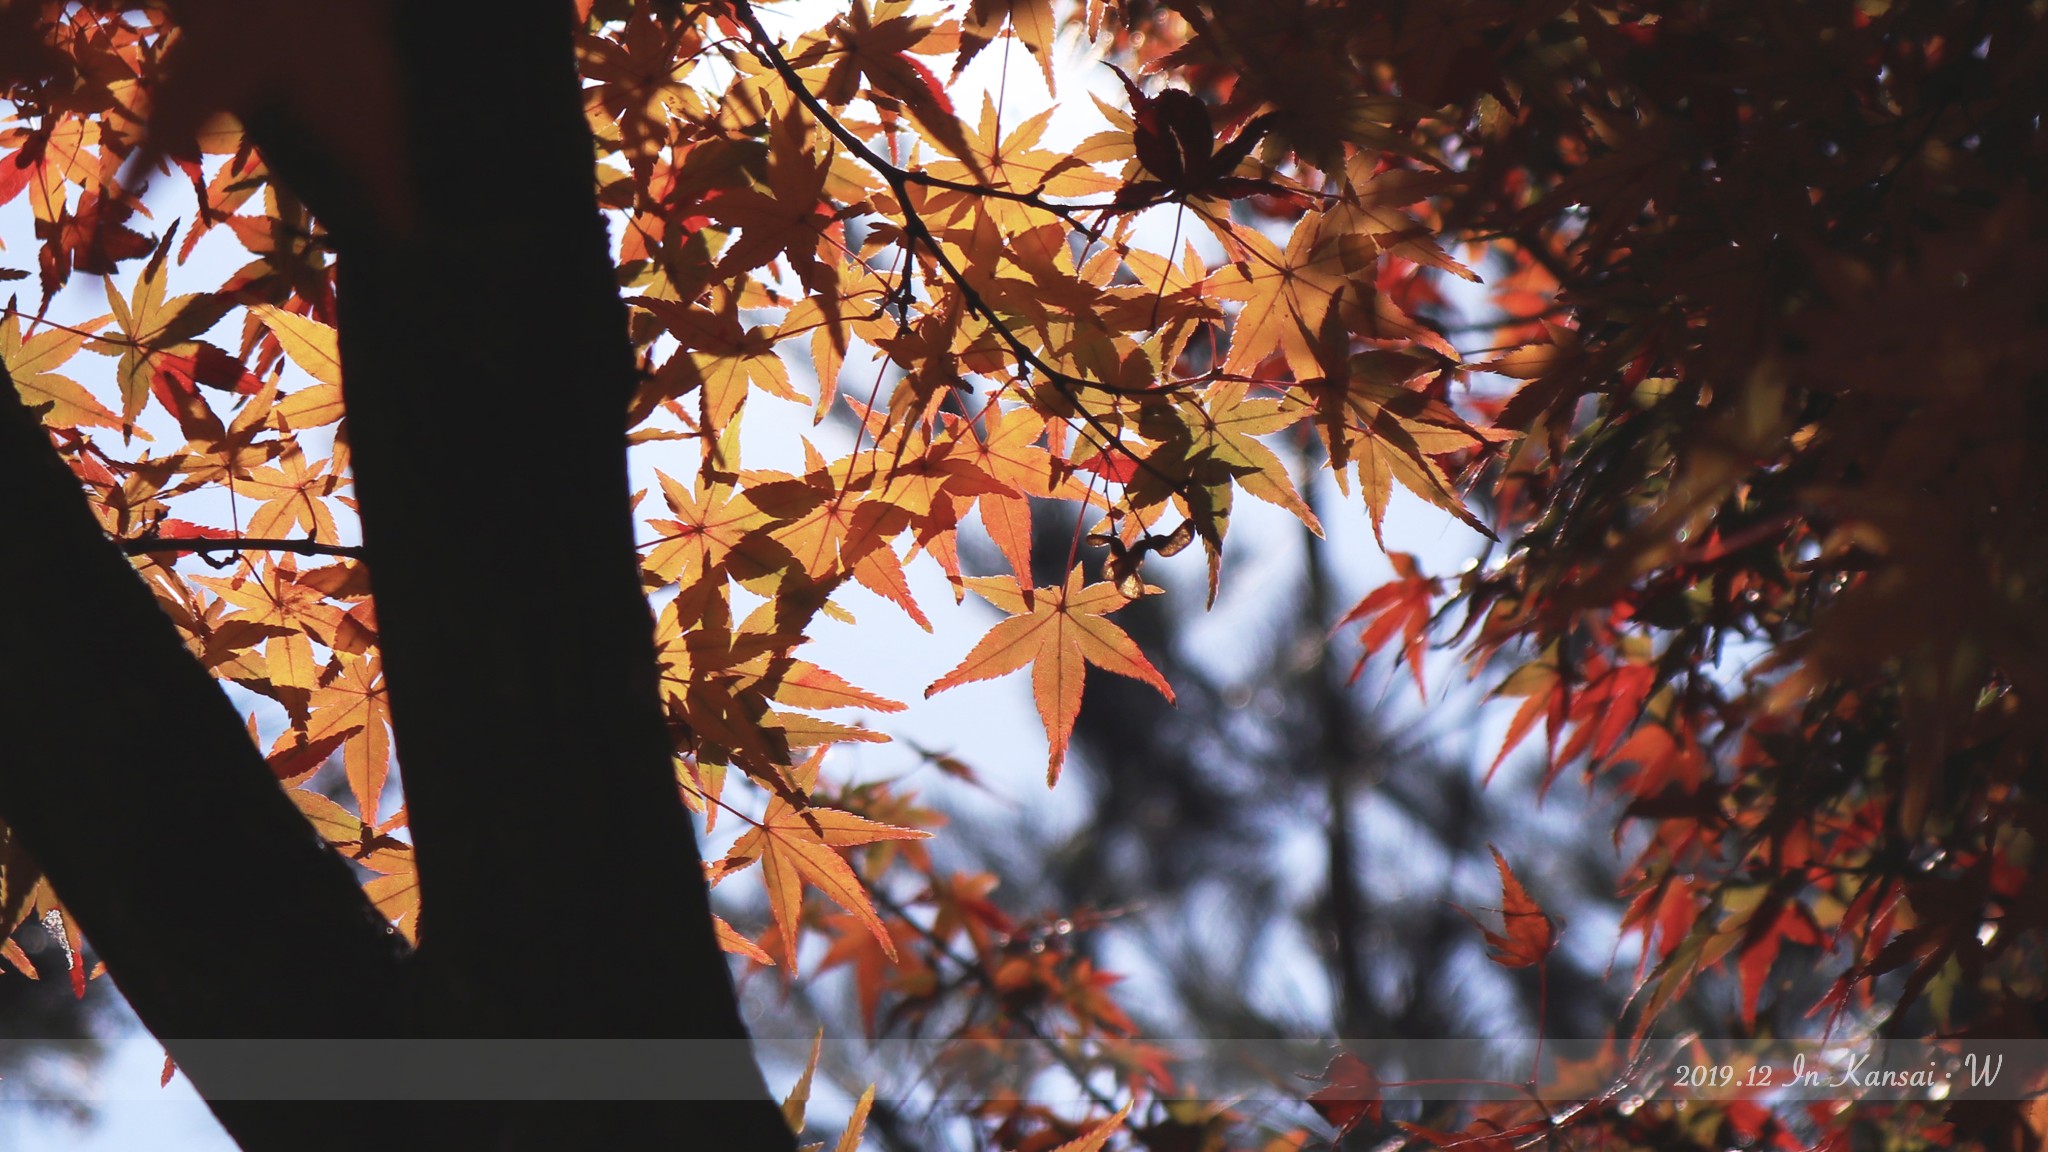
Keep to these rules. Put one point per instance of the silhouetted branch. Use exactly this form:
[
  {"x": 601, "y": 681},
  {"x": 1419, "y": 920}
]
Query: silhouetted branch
[{"x": 151, "y": 545}]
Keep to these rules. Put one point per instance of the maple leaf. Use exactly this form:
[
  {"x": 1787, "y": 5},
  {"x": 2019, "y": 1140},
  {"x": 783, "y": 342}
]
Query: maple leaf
[
  {"x": 1058, "y": 631},
  {"x": 1030, "y": 21},
  {"x": 873, "y": 968},
  {"x": 152, "y": 331},
  {"x": 960, "y": 904},
  {"x": 641, "y": 79},
  {"x": 95, "y": 238},
  {"x": 294, "y": 758},
  {"x": 796, "y": 846},
  {"x": 839, "y": 520},
  {"x": 857, "y": 1123},
  {"x": 292, "y": 498},
  {"x": 290, "y": 262},
  {"x": 312, "y": 345},
  {"x": 30, "y": 362},
  {"x": 1172, "y": 136},
  {"x": 1401, "y": 605},
  {"x": 1769, "y": 922},
  {"x": 1373, "y": 423},
  {"x": 1351, "y": 1093},
  {"x": 1212, "y": 443},
  {"x": 1205, "y": 446},
  {"x": 349, "y": 705},
  {"x": 397, "y": 896},
  {"x": 25, "y": 163},
  {"x": 730, "y": 940},
  {"x": 713, "y": 527},
  {"x": 1542, "y": 692},
  {"x": 802, "y": 684},
  {"x": 717, "y": 679},
  {"x": 717, "y": 357},
  {"x": 1015, "y": 163},
  {"x": 229, "y": 455},
  {"x": 799, "y": 1098},
  {"x": 1288, "y": 294},
  {"x": 825, "y": 527},
  {"x": 206, "y": 364},
  {"x": 1095, "y": 1138},
  {"x": 1527, "y": 933},
  {"x": 1372, "y": 207},
  {"x": 1006, "y": 451},
  {"x": 876, "y": 47},
  {"x": 1224, "y": 432},
  {"x": 274, "y": 599},
  {"x": 311, "y": 408},
  {"x": 787, "y": 215}
]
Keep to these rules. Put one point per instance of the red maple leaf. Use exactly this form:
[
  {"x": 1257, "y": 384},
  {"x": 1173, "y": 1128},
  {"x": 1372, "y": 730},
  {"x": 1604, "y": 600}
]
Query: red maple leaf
[
  {"x": 1527, "y": 932},
  {"x": 1350, "y": 1093}
]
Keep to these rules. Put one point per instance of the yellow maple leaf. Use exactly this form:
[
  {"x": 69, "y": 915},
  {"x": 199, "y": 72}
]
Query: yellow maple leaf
[
  {"x": 313, "y": 346},
  {"x": 292, "y": 498},
  {"x": 29, "y": 363},
  {"x": 352, "y": 697}
]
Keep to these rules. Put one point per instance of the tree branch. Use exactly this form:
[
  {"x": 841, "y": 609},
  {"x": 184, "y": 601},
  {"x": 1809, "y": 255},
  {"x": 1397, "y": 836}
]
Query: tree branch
[
  {"x": 151, "y": 545},
  {"x": 977, "y": 972},
  {"x": 915, "y": 229},
  {"x": 124, "y": 761},
  {"x": 539, "y": 773}
]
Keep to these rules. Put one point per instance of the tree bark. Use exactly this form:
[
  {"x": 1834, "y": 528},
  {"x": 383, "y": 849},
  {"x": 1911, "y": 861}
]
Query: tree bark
[
  {"x": 123, "y": 758},
  {"x": 562, "y": 889},
  {"x": 538, "y": 765}
]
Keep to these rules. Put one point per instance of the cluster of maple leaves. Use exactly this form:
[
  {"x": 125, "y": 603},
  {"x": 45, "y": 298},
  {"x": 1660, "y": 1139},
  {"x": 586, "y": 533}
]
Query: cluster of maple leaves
[
  {"x": 1764, "y": 325},
  {"x": 830, "y": 182},
  {"x": 1768, "y": 322}
]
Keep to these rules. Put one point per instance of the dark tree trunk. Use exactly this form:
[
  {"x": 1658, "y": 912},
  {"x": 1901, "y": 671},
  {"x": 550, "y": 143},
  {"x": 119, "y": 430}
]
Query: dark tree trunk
[
  {"x": 563, "y": 895},
  {"x": 122, "y": 756}
]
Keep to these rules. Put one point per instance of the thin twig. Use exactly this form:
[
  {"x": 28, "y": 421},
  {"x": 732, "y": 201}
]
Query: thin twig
[
  {"x": 915, "y": 230},
  {"x": 979, "y": 973}
]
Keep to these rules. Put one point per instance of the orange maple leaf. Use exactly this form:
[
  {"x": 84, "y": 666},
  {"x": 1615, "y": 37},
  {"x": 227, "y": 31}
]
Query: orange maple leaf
[
  {"x": 1059, "y": 632},
  {"x": 712, "y": 521},
  {"x": 276, "y": 600},
  {"x": 798, "y": 846},
  {"x": 730, "y": 940},
  {"x": 878, "y": 49},
  {"x": 396, "y": 894},
  {"x": 873, "y": 970},
  {"x": 350, "y": 703},
  {"x": 1015, "y": 163},
  {"x": 641, "y": 80},
  {"x": 1097, "y": 1137},
  {"x": 1287, "y": 295}
]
